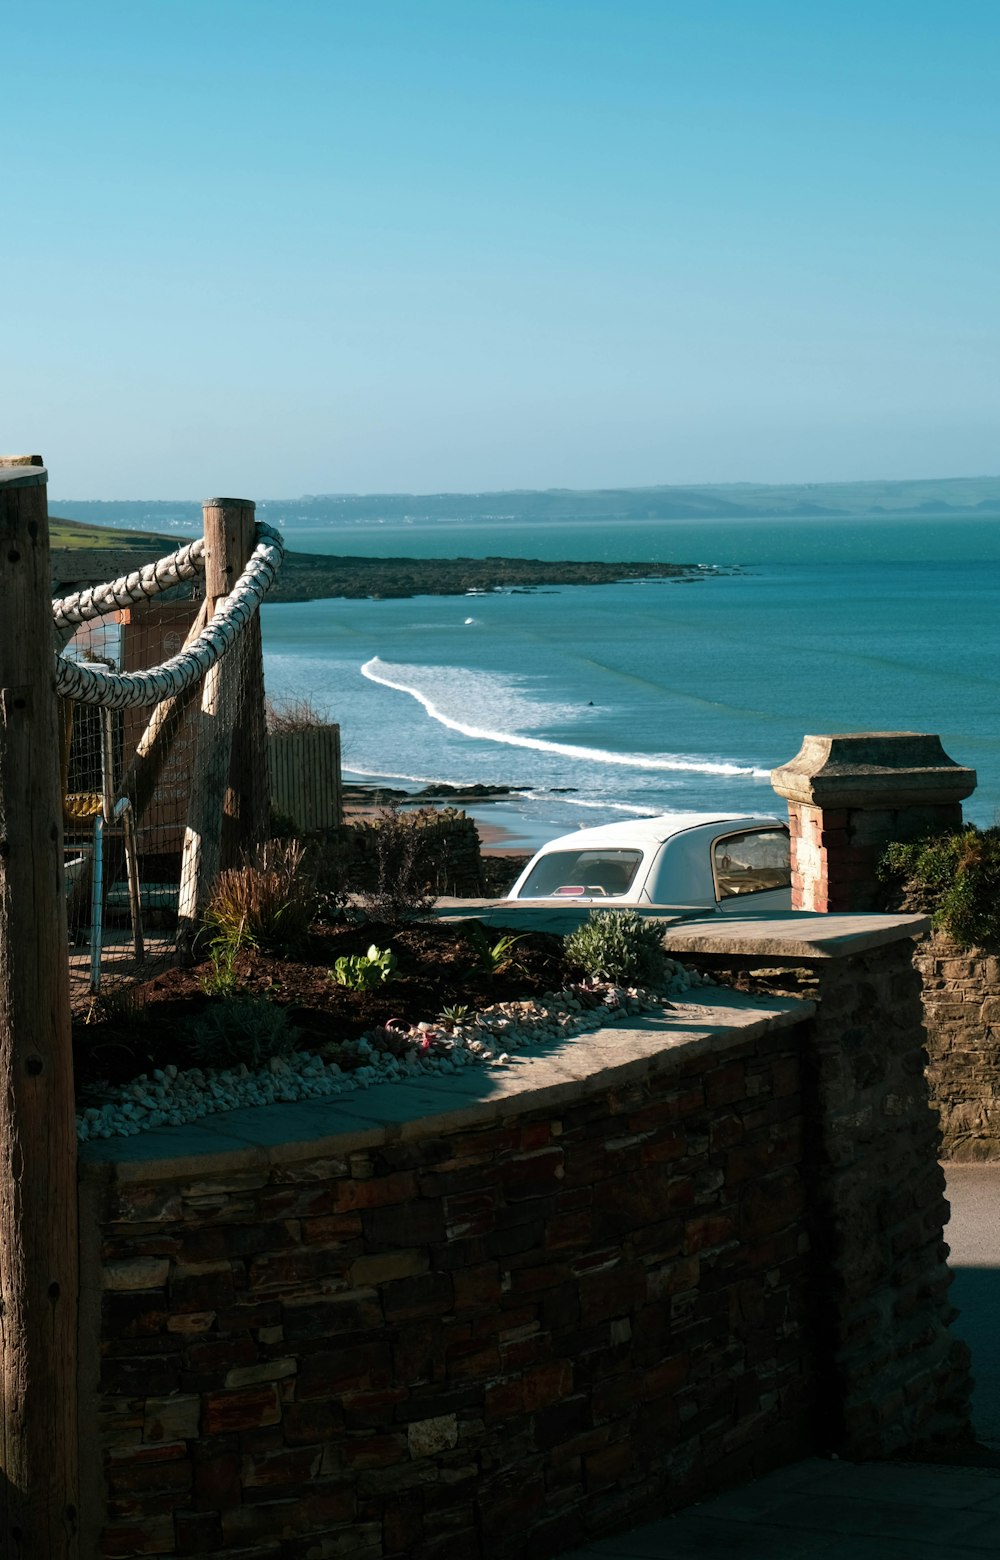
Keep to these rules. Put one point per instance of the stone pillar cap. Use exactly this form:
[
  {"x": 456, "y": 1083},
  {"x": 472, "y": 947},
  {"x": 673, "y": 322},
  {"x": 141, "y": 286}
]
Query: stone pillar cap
[{"x": 874, "y": 769}]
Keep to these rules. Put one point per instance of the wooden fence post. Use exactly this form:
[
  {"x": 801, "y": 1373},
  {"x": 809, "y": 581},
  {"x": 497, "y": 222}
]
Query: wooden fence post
[
  {"x": 224, "y": 795},
  {"x": 38, "y": 1199}
]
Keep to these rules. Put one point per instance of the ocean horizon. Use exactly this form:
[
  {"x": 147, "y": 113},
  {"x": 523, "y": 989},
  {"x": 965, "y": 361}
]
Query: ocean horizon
[{"x": 653, "y": 696}]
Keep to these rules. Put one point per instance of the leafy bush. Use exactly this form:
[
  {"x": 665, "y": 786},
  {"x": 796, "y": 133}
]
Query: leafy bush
[
  {"x": 954, "y": 876},
  {"x": 240, "y": 1029},
  {"x": 269, "y": 902},
  {"x": 365, "y": 971},
  {"x": 618, "y": 945}
]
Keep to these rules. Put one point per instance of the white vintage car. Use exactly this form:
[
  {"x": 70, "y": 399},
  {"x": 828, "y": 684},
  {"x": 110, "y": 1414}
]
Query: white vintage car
[{"x": 729, "y": 864}]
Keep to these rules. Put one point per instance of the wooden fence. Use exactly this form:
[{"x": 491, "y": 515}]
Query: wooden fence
[{"x": 304, "y": 768}]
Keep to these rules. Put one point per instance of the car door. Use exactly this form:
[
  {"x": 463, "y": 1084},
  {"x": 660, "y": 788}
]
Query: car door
[{"x": 752, "y": 870}]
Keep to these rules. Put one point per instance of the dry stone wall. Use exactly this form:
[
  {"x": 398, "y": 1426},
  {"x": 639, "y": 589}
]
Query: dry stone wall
[
  {"x": 447, "y": 853},
  {"x": 489, "y": 1342},
  {"x": 506, "y": 1325},
  {"x": 962, "y": 1013},
  {"x": 896, "y": 1376}
]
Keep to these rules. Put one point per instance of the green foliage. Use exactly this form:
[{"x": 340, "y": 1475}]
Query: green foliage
[
  {"x": 448, "y": 1017},
  {"x": 220, "y": 979},
  {"x": 956, "y": 877},
  {"x": 491, "y": 958},
  {"x": 269, "y": 902},
  {"x": 240, "y": 1029},
  {"x": 617, "y": 945},
  {"x": 365, "y": 971}
]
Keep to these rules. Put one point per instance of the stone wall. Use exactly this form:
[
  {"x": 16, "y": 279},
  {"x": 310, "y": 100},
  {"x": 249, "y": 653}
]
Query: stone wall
[
  {"x": 485, "y": 1341},
  {"x": 962, "y": 1013},
  {"x": 504, "y": 1313},
  {"x": 447, "y": 854},
  {"x": 897, "y": 1376}
]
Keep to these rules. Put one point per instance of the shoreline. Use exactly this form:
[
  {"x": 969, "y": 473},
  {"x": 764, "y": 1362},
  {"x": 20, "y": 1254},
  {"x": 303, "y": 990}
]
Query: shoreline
[
  {"x": 364, "y": 800},
  {"x": 322, "y": 576}
]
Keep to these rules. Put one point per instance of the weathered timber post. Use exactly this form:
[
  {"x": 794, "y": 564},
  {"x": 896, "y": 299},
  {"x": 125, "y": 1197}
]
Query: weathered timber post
[
  {"x": 248, "y": 800},
  {"x": 850, "y": 795},
  {"x": 38, "y": 1208},
  {"x": 229, "y": 541}
]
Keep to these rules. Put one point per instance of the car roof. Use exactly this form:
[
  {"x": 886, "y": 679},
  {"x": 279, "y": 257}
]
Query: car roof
[{"x": 642, "y": 833}]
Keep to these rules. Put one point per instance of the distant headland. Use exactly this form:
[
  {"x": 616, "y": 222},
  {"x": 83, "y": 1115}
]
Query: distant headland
[
  {"x": 309, "y": 576},
  {"x": 959, "y": 496}
]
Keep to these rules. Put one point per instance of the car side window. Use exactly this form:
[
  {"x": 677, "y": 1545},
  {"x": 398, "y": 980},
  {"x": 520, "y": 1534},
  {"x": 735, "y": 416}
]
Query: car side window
[{"x": 751, "y": 863}]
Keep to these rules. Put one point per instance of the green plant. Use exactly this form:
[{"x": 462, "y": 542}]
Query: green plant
[
  {"x": 954, "y": 876},
  {"x": 365, "y": 971},
  {"x": 458, "y": 1013},
  {"x": 221, "y": 979},
  {"x": 268, "y": 902},
  {"x": 492, "y": 958},
  {"x": 617, "y": 945},
  {"x": 240, "y": 1029}
]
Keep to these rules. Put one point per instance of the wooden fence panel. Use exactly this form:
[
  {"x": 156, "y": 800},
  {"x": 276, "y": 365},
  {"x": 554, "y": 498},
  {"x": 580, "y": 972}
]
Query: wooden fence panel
[{"x": 305, "y": 777}]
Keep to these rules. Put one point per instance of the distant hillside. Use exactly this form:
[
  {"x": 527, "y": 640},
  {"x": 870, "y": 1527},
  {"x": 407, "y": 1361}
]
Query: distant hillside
[
  {"x": 741, "y": 500},
  {"x": 75, "y": 534}
]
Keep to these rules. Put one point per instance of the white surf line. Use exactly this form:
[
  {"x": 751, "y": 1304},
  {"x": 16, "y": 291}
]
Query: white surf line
[{"x": 660, "y": 762}]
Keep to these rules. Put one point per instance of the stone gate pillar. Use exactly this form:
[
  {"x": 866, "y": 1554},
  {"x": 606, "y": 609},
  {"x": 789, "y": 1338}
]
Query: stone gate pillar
[{"x": 850, "y": 795}]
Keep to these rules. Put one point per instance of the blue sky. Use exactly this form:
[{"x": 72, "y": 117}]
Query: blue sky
[{"x": 313, "y": 246}]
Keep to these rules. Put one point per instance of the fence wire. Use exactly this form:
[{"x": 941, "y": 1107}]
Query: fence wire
[{"x": 128, "y": 779}]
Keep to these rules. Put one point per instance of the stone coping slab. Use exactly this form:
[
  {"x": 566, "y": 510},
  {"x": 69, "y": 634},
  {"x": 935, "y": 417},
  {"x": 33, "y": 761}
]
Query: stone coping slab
[
  {"x": 796, "y": 934},
  {"x": 551, "y": 1074},
  {"x": 807, "y": 934}
]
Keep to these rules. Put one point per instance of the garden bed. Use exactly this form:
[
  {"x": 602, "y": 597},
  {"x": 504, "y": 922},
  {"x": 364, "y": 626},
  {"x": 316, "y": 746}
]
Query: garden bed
[{"x": 142, "y": 1028}]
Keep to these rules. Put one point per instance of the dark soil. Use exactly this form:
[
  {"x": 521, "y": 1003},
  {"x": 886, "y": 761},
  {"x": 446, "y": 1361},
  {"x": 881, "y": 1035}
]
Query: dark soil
[{"x": 135, "y": 1030}]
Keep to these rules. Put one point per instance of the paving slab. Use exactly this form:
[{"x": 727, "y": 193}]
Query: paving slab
[{"x": 831, "y": 1509}]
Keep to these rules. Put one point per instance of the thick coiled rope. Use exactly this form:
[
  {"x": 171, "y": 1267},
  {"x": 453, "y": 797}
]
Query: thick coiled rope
[
  {"x": 184, "y": 564},
  {"x": 90, "y": 684}
]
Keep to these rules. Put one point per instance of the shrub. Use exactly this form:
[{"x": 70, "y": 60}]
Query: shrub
[
  {"x": 402, "y": 877},
  {"x": 287, "y": 716},
  {"x": 240, "y": 1029},
  {"x": 269, "y": 902},
  {"x": 365, "y": 971},
  {"x": 954, "y": 876},
  {"x": 618, "y": 945}
]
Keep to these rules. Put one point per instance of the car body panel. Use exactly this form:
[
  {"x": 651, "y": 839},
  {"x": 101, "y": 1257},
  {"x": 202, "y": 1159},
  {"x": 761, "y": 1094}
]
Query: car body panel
[{"x": 684, "y": 865}]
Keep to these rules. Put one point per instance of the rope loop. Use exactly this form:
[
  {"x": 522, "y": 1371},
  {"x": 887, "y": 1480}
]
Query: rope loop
[
  {"x": 184, "y": 564},
  {"x": 89, "y": 684}
]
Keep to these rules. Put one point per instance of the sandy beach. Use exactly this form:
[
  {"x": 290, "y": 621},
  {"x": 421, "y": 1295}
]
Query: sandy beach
[{"x": 498, "y": 836}]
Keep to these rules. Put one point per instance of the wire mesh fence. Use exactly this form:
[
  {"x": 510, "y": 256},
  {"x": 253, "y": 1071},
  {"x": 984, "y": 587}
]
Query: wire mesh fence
[{"x": 159, "y": 793}]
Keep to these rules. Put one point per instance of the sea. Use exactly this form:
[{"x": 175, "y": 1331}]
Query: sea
[{"x": 654, "y": 696}]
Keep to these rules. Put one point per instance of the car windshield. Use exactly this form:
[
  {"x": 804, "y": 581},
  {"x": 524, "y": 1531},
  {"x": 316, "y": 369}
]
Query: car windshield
[{"x": 582, "y": 874}]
